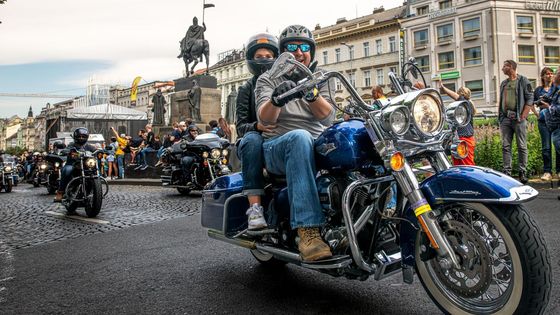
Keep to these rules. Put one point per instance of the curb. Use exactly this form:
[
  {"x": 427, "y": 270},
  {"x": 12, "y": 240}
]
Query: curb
[{"x": 136, "y": 182}]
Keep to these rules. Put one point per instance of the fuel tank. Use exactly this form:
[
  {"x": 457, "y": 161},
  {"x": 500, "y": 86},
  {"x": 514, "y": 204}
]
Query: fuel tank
[{"x": 345, "y": 146}]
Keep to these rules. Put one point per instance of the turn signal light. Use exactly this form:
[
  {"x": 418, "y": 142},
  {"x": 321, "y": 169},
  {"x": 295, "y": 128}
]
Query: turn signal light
[
  {"x": 462, "y": 149},
  {"x": 397, "y": 161},
  {"x": 224, "y": 161}
]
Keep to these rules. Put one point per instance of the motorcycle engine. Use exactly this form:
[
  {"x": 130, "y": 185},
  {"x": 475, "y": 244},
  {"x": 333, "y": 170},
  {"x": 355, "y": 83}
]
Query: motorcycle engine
[{"x": 330, "y": 194}]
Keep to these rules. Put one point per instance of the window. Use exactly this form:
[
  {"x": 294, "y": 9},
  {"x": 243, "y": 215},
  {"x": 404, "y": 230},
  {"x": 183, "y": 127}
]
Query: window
[
  {"x": 420, "y": 38},
  {"x": 392, "y": 44},
  {"x": 380, "y": 77},
  {"x": 325, "y": 57},
  {"x": 366, "y": 49},
  {"x": 353, "y": 79},
  {"x": 550, "y": 25},
  {"x": 471, "y": 27},
  {"x": 367, "y": 78},
  {"x": 351, "y": 52},
  {"x": 473, "y": 56},
  {"x": 445, "y": 4},
  {"x": 525, "y": 24},
  {"x": 337, "y": 55},
  {"x": 422, "y": 10},
  {"x": 476, "y": 87},
  {"x": 552, "y": 54},
  {"x": 379, "y": 46},
  {"x": 423, "y": 63},
  {"x": 450, "y": 85},
  {"x": 446, "y": 60},
  {"x": 445, "y": 32},
  {"x": 526, "y": 53},
  {"x": 338, "y": 84},
  {"x": 393, "y": 69}
]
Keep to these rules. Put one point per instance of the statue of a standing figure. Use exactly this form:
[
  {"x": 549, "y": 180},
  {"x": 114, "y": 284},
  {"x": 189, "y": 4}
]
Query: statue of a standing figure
[
  {"x": 159, "y": 108},
  {"x": 230, "y": 106},
  {"x": 194, "y": 46},
  {"x": 194, "y": 98}
]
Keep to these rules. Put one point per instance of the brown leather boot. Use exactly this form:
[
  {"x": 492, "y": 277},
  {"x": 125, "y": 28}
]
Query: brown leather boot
[
  {"x": 311, "y": 246},
  {"x": 58, "y": 197}
]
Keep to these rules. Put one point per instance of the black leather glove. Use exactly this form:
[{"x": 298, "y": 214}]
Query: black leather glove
[{"x": 281, "y": 89}]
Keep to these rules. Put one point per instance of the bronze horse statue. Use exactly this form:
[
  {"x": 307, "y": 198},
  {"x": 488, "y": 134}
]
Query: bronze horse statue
[{"x": 199, "y": 49}]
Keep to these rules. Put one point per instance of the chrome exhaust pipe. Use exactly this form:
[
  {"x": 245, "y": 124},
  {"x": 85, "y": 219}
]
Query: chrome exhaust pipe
[
  {"x": 234, "y": 241},
  {"x": 280, "y": 253}
]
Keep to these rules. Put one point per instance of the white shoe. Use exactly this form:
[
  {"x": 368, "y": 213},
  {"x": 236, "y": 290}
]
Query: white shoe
[
  {"x": 546, "y": 176},
  {"x": 256, "y": 217}
]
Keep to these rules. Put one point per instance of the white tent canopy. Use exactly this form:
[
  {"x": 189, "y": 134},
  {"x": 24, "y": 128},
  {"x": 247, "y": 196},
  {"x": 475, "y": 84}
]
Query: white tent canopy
[{"x": 105, "y": 112}]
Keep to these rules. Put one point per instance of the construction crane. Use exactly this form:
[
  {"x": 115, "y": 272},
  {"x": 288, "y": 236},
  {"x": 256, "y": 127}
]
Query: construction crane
[{"x": 39, "y": 95}]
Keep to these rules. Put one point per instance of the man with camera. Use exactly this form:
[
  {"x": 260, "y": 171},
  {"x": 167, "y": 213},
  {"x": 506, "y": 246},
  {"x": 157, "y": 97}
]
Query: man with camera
[{"x": 516, "y": 100}]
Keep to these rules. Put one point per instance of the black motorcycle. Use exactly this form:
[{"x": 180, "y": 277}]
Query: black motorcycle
[
  {"x": 39, "y": 175},
  {"x": 55, "y": 163},
  {"x": 85, "y": 189},
  {"x": 211, "y": 157},
  {"x": 6, "y": 176}
]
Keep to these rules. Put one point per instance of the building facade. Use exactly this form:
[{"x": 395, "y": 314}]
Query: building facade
[
  {"x": 231, "y": 72},
  {"x": 145, "y": 92},
  {"x": 465, "y": 42},
  {"x": 28, "y": 131},
  {"x": 363, "y": 49}
]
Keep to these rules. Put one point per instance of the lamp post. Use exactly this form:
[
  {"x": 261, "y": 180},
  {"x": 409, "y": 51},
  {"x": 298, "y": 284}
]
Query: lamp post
[{"x": 351, "y": 57}]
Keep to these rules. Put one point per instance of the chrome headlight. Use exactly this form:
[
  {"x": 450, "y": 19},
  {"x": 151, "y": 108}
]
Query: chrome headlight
[
  {"x": 225, "y": 152},
  {"x": 205, "y": 154},
  {"x": 43, "y": 166},
  {"x": 56, "y": 164},
  {"x": 7, "y": 169},
  {"x": 458, "y": 113},
  {"x": 90, "y": 162},
  {"x": 215, "y": 153},
  {"x": 427, "y": 115},
  {"x": 396, "y": 119}
]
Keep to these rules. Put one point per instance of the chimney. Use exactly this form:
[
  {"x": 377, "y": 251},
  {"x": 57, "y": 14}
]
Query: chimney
[
  {"x": 341, "y": 20},
  {"x": 378, "y": 10}
]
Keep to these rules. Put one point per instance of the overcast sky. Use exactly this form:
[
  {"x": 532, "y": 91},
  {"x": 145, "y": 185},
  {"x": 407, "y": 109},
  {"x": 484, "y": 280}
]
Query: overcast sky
[{"x": 57, "y": 45}]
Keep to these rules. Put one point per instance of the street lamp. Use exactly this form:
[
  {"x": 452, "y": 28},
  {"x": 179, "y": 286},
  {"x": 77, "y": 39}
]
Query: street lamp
[{"x": 351, "y": 57}]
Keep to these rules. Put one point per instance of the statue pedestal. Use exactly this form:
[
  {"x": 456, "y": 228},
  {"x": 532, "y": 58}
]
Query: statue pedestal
[{"x": 210, "y": 105}]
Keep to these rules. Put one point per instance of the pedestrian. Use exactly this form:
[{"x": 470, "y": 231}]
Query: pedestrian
[
  {"x": 136, "y": 145},
  {"x": 148, "y": 147},
  {"x": 547, "y": 75},
  {"x": 378, "y": 96},
  {"x": 516, "y": 100},
  {"x": 180, "y": 132},
  {"x": 119, "y": 152},
  {"x": 215, "y": 129},
  {"x": 465, "y": 133},
  {"x": 111, "y": 158},
  {"x": 552, "y": 114}
]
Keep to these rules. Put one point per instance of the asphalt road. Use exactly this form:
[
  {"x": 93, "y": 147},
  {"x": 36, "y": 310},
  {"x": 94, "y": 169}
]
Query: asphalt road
[{"x": 171, "y": 267}]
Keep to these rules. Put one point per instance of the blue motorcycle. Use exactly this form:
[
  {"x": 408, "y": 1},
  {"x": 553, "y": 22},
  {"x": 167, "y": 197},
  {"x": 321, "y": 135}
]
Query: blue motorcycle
[{"x": 464, "y": 231}]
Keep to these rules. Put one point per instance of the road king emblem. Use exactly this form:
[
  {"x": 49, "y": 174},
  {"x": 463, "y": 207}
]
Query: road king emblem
[
  {"x": 465, "y": 192},
  {"x": 325, "y": 148}
]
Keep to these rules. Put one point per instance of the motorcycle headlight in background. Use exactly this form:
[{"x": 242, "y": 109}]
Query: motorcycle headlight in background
[
  {"x": 427, "y": 115},
  {"x": 56, "y": 164},
  {"x": 225, "y": 152},
  {"x": 458, "y": 113},
  {"x": 90, "y": 162},
  {"x": 396, "y": 119},
  {"x": 205, "y": 154},
  {"x": 7, "y": 169},
  {"x": 43, "y": 166},
  {"x": 215, "y": 153}
]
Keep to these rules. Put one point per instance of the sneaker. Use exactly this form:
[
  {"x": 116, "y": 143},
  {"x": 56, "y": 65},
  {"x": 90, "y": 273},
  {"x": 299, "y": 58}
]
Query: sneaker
[
  {"x": 138, "y": 167},
  {"x": 311, "y": 246},
  {"x": 256, "y": 217},
  {"x": 145, "y": 167},
  {"x": 523, "y": 178},
  {"x": 158, "y": 163},
  {"x": 546, "y": 176}
]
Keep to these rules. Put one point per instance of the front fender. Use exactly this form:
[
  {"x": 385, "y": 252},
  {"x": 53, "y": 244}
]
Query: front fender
[{"x": 475, "y": 184}]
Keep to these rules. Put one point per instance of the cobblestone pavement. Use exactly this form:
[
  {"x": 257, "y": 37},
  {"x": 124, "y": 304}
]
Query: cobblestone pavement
[{"x": 28, "y": 216}]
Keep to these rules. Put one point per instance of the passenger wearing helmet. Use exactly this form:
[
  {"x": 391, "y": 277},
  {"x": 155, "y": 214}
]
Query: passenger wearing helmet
[
  {"x": 80, "y": 136},
  {"x": 192, "y": 133},
  {"x": 288, "y": 148},
  {"x": 262, "y": 50}
]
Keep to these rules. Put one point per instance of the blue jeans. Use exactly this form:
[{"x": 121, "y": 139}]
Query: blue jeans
[
  {"x": 250, "y": 151},
  {"x": 555, "y": 137},
  {"x": 120, "y": 165},
  {"x": 292, "y": 154},
  {"x": 546, "y": 143},
  {"x": 65, "y": 176},
  {"x": 142, "y": 155},
  {"x": 160, "y": 152}
]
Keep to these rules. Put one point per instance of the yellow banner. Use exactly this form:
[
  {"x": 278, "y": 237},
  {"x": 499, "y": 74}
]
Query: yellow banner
[{"x": 134, "y": 90}]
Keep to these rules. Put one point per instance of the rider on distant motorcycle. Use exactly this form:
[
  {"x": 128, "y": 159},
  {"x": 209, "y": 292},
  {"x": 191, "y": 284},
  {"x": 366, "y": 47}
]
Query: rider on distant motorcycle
[{"x": 80, "y": 136}]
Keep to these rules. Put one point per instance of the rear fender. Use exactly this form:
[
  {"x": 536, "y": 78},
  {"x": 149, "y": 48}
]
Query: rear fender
[{"x": 475, "y": 184}]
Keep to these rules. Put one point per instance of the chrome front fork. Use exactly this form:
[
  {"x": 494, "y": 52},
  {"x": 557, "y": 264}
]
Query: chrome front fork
[{"x": 411, "y": 189}]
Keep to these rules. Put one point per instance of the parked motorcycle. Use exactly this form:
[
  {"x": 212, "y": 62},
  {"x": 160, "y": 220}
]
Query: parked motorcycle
[
  {"x": 6, "y": 177},
  {"x": 465, "y": 231},
  {"x": 211, "y": 157},
  {"x": 85, "y": 189}
]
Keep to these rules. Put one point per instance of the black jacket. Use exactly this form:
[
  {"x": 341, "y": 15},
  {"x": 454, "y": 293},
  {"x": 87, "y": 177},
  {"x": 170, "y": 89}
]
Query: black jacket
[{"x": 246, "y": 109}]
